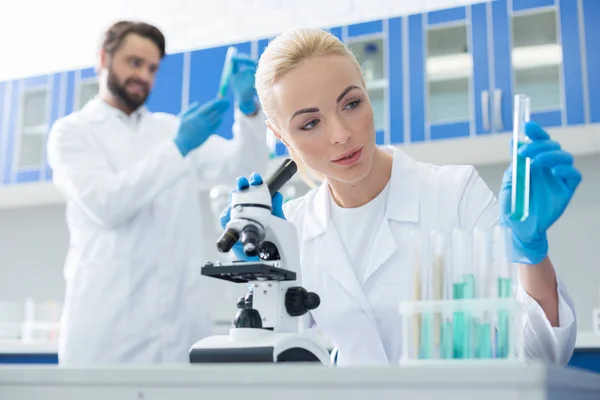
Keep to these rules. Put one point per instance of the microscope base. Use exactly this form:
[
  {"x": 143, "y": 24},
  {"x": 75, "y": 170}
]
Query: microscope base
[{"x": 249, "y": 345}]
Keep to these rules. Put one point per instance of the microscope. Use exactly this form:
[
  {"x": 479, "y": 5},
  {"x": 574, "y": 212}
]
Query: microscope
[{"x": 272, "y": 319}]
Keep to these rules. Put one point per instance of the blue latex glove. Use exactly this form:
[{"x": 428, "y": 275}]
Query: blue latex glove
[
  {"x": 554, "y": 179},
  {"x": 277, "y": 210},
  {"x": 198, "y": 123},
  {"x": 242, "y": 83}
]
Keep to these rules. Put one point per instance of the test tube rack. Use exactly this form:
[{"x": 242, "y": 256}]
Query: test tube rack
[{"x": 425, "y": 341}]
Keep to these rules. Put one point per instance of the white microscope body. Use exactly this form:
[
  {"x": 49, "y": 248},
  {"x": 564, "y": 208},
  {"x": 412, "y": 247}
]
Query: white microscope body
[{"x": 272, "y": 319}]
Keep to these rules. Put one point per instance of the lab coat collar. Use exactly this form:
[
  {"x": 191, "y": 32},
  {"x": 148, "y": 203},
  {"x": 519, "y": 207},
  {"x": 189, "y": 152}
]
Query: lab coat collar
[
  {"x": 96, "y": 110},
  {"x": 402, "y": 202}
]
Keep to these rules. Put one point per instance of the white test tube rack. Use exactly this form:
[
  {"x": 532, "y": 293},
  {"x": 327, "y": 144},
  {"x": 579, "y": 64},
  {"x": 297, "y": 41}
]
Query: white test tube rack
[{"x": 490, "y": 306}]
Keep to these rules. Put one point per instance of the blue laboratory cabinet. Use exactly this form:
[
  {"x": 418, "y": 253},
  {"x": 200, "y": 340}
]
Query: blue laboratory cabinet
[{"x": 433, "y": 76}]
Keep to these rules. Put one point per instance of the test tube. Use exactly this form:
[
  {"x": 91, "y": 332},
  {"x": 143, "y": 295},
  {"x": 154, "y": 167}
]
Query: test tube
[
  {"x": 416, "y": 247},
  {"x": 520, "y": 165},
  {"x": 482, "y": 257},
  {"x": 463, "y": 288},
  {"x": 442, "y": 341},
  {"x": 426, "y": 343},
  {"x": 503, "y": 275},
  {"x": 226, "y": 73}
]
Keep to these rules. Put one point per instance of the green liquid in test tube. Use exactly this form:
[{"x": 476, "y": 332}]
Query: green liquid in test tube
[
  {"x": 483, "y": 318},
  {"x": 463, "y": 288},
  {"x": 521, "y": 165},
  {"x": 503, "y": 270}
]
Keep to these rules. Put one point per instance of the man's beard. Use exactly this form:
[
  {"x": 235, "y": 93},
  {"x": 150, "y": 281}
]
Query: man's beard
[{"x": 120, "y": 92}]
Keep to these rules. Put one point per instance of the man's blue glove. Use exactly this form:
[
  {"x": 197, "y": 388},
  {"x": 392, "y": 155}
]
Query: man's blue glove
[
  {"x": 554, "y": 179},
  {"x": 197, "y": 123},
  {"x": 242, "y": 82},
  {"x": 277, "y": 210}
]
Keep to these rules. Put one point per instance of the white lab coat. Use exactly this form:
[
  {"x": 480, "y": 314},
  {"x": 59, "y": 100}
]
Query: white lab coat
[
  {"x": 363, "y": 320},
  {"x": 134, "y": 293}
]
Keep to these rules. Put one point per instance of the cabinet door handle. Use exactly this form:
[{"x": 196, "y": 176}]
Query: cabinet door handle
[
  {"x": 485, "y": 109},
  {"x": 498, "y": 109}
]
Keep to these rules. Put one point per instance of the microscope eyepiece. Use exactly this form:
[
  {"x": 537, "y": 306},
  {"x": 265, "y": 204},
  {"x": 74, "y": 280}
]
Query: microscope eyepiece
[
  {"x": 283, "y": 174},
  {"x": 228, "y": 238}
]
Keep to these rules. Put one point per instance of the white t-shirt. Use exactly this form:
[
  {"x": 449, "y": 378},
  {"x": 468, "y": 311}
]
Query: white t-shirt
[{"x": 357, "y": 228}]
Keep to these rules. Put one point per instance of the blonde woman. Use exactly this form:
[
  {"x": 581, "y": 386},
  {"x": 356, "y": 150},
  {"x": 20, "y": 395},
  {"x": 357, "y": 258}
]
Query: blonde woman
[{"x": 354, "y": 226}]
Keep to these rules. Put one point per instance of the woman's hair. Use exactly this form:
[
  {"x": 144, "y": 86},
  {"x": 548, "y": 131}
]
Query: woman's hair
[{"x": 282, "y": 55}]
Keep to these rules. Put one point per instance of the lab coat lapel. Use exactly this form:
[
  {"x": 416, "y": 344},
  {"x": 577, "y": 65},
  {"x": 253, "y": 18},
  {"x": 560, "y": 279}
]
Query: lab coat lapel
[
  {"x": 330, "y": 255},
  {"x": 402, "y": 205},
  {"x": 384, "y": 247}
]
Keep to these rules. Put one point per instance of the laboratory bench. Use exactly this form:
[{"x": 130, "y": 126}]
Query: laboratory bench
[
  {"x": 586, "y": 355},
  {"x": 504, "y": 381}
]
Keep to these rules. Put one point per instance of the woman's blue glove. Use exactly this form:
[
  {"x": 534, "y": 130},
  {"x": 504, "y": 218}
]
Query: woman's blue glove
[
  {"x": 277, "y": 210},
  {"x": 554, "y": 179},
  {"x": 242, "y": 82},
  {"x": 197, "y": 123}
]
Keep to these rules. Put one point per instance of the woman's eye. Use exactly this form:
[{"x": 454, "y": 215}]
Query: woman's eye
[
  {"x": 353, "y": 104},
  {"x": 308, "y": 126}
]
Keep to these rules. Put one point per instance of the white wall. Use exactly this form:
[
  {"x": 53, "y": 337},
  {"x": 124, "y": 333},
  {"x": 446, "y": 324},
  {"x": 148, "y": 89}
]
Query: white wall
[
  {"x": 187, "y": 24},
  {"x": 34, "y": 241},
  {"x": 575, "y": 238}
]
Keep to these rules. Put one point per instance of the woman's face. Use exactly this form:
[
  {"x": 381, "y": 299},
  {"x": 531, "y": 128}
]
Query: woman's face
[{"x": 323, "y": 113}]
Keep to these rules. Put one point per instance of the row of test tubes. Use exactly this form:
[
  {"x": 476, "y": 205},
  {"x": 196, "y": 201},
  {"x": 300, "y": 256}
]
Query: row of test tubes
[{"x": 450, "y": 270}]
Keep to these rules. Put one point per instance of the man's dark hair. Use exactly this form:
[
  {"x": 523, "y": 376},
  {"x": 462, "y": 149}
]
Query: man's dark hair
[{"x": 115, "y": 35}]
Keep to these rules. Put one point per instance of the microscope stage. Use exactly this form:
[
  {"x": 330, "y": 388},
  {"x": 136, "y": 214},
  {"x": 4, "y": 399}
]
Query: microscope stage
[{"x": 248, "y": 271}]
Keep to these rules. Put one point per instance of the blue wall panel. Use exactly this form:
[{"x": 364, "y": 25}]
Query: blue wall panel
[
  {"x": 416, "y": 53},
  {"x": 591, "y": 16},
  {"x": 365, "y": 28},
  {"x": 168, "y": 87},
  {"x": 445, "y": 16},
  {"x": 87, "y": 73},
  {"x": 337, "y": 32},
  {"x": 396, "y": 80},
  {"x": 547, "y": 119},
  {"x": 502, "y": 62},
  {"x": 481, "y": 66},
  {"x": 28, "y": 176},
  {"x": 70, "y": 93},
  {"x": 56, "y": 111},
  {"x": 519, "y": 5},
  {"x": 450, "y": 130},
  {"x": 15, "y": 100},
  {"x": 205, "y": 73},
  {"x": 569, "y": 22}
]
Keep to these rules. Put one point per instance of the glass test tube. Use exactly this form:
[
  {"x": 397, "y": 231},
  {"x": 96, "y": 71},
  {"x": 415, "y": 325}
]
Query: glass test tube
[
  {"x": 426, "y": 349},
  {"x": 463, "y": 288},
  {"x": 503, "y": 275},
  {"x": 226, "y": 73},
  {"x": 442, "y": 321},
  {"x": 483, "y": 267},
  {"x": 415, "y": 321},
  {"x": 521, "y": 165}
]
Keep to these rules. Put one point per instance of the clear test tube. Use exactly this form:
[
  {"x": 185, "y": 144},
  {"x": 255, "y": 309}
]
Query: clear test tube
[
  {"x": 226, "y": 72},
  {"x": 415, "y": 246},
  {"x": 441, "y": 321},
  {"x": 504, "y": 279},
  {"x": 428, "y": 348},
  {"x": 520, "y": 165},
  {"x": 482, "y": 258}
]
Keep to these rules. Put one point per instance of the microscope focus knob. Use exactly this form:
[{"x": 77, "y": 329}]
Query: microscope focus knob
[{"x": 299, "y": 301}]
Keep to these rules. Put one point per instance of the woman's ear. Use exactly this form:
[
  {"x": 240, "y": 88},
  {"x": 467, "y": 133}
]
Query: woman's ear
[{"x": 273, "y": 129}]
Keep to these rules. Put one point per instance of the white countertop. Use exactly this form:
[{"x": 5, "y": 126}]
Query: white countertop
[
  {"x": 504, "y": 381},
  {"x": 18, "y": 347}
]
